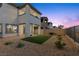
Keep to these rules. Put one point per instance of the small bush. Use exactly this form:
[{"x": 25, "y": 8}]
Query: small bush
[
  {"x": 60, "y": 44},
  {"x": 59, "y": 37},
  {"x": 8, "y": 43},
  {"x": 51, "y": 33},
  {"x": 20, "y": 45}
]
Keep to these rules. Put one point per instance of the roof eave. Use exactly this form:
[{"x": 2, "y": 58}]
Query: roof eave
[{"x": 13, "y": 4}]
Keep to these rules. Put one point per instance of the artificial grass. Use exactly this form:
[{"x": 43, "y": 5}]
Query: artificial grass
[{"x": 37, "y": 39}]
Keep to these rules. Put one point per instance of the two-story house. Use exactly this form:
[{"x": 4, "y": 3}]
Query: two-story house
[
  {"x": 19, "y": 20},
  {"x": 45, "y": 24}
]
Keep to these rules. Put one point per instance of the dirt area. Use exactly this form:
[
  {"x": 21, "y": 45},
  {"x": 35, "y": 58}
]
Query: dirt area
[{"x": 32, "y": 49}]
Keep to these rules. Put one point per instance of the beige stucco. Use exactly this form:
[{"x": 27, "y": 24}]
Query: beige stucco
[
  {"x": 22, "y": 11},
  {"x": 34, "y": 32},
  {"x": 32, "y": 11},
  {"x": 9, "y": 15},
  {"x": 21, "y": 29}
]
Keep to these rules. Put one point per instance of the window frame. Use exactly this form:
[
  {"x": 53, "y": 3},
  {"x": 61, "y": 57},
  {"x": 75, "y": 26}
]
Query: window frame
[{"x": 6, "y": 31}]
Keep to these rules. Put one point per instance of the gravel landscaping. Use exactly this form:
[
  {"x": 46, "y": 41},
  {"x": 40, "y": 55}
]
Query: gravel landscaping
[{"x": 32, "y": 49}]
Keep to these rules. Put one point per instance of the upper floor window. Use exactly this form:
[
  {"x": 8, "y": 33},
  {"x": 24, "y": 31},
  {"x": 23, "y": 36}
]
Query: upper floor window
[{"x": 21, "y": 12}]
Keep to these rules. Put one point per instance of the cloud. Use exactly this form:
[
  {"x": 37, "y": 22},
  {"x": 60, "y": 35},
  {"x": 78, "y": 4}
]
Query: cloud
[{"x": 71, "y": 23}]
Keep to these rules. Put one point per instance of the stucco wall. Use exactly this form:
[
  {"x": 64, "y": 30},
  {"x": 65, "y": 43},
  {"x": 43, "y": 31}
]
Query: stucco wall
[
  {"x": 8, "y": 14},
  {"x": 28, "y": 20},
  {"x": 32, "y": 11}
]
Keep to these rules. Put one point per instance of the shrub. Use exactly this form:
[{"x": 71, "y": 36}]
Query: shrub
[
  {"x": 51, "y": 33},
  {"x": 20, "y": 45},
  {"x": 59, "y": 37},
  {"x": 60, "y": 44},
  {"x": 8, "y": 43}
]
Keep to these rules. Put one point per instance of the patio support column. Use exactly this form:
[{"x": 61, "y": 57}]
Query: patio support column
[
  {"x": 39, "y": 29},
  {"x": 33, "y": 30},
  {"x": 3, "y": 29},
  {"x": 17, "y": 22}
]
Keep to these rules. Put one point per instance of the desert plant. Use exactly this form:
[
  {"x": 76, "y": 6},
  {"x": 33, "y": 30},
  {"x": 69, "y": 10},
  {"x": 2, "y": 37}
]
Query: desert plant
[
  {"x": 20, "y": 45},
  {"x": 52, "y": 33},
  {"x": 60, "y": 26},
  {"x": 8, "y": 43},
  {"x": 60, "y": 44},
  {"x": 59, "y": 37}
]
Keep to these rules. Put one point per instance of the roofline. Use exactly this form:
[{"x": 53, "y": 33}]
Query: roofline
[
  {"x": 13, "y": 4},
  {"x": 34, "y": 8}
]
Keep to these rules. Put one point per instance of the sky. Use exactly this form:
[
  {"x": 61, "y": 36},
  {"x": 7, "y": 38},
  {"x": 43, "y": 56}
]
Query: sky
[{"x": 66, "y": 14}]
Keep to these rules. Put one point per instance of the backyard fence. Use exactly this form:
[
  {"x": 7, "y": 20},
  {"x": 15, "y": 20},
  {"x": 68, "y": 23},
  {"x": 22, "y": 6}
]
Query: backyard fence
[{"x": 73, "y": 32}]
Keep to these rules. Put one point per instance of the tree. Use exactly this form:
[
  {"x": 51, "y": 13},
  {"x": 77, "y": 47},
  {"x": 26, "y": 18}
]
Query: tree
[{"x": 60, "y": 26}]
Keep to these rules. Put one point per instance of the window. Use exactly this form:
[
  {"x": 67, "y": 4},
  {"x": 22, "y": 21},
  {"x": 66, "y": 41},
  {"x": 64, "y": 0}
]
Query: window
[
  {"x": 21, "y": 12},
  {"x": 11, "y": 28},
  {"x": 45, "y": 21}
]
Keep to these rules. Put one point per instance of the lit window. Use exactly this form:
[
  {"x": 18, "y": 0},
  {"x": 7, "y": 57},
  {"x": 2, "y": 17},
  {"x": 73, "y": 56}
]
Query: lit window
[
  {"x": 11, "y": 28},
  {"x": 45, "y": 21}
]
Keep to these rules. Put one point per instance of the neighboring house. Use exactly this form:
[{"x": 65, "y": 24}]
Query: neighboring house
[
  {"x": 19, "y": 19},
  {"x": 45, "y": 24},
  {"x": 50, "y": 25}
]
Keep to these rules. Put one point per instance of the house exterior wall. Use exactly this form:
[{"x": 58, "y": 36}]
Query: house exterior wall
[
  {"x": 8, "y": 15},
  {"x": 44, "y": 22},
  {"x": 21, "y": 11},
  {"x": 50, "y": 26},
  {"x": 29, "y": 19},
  {"x": 32, "y": 11}
]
